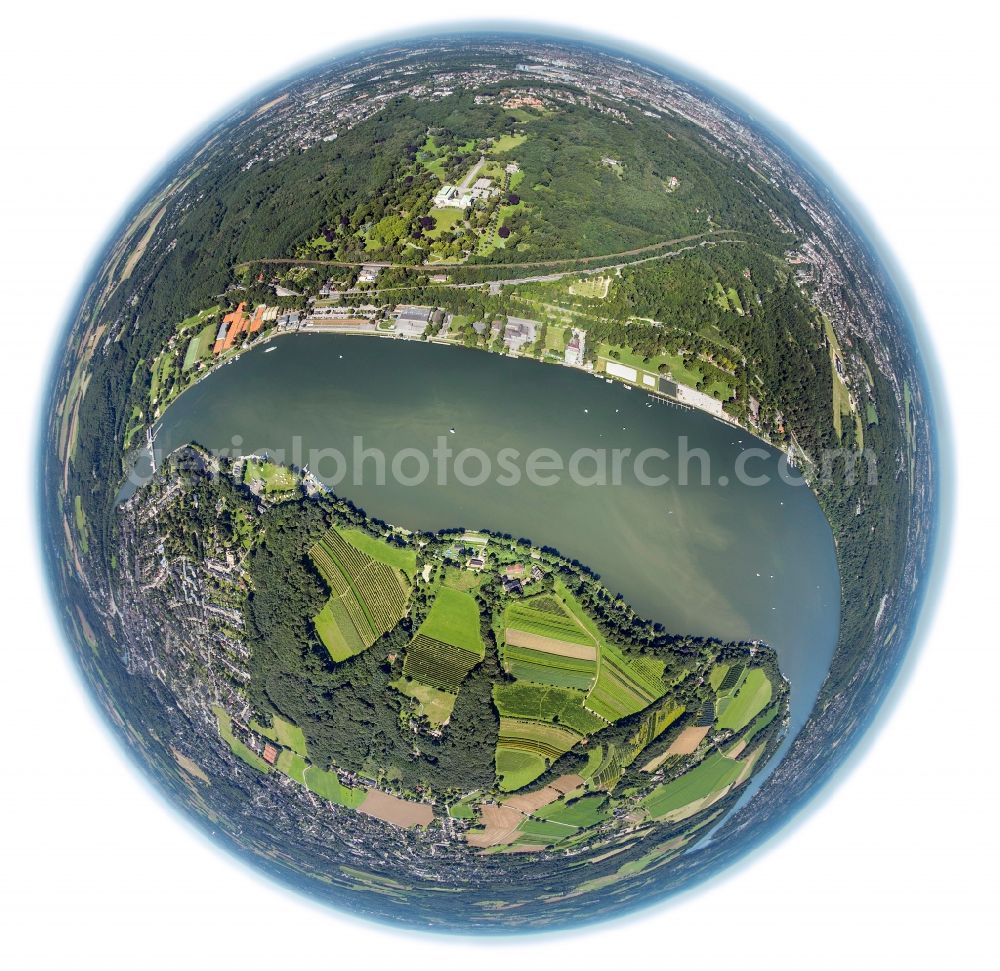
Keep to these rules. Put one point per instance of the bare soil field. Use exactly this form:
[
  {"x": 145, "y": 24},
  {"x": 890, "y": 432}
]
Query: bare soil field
[
  {"x": 549, "y": 645},
  {"x": 399, "y": 812}
]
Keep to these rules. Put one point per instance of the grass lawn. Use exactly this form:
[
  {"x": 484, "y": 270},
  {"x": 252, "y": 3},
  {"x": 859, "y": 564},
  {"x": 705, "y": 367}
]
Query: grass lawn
[
  {"x": 277, "y": 478},
  {"x": 454, "y": 619},
  {"x": 200, "y": 346},
  {"x": 462, "y": 579},
  {"x": 464, "y": 808},
  {"x": 284, "y": 733},
  {"x": 235, "y": 745},
  {"x": 586, "y": 811},
  {"x": 445, "y": 220},
  {"x": 751, "y": 698},
  {"x": 293, "y": 765},
  {"x": 715, "y": 773},
  {"x": 196, "y": 320},
  {"x": 506, "y": 143},
  {"x": 594, "y": 287},
  {"x": 326, "y": 785},
  {"x": 435, "y": 705},
  {"x": 398, "y": 557},
  {"x": 516, "y": 769}
]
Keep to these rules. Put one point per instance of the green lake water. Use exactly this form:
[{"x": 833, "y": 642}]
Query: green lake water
[{"x": 730, "y": 560}]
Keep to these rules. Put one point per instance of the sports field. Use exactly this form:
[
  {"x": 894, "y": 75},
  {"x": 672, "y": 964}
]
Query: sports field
[{"x": 368, "y": 595}]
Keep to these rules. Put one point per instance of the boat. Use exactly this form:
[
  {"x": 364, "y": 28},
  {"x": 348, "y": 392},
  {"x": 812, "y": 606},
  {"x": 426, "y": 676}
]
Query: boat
[
  {"x": 268, "y": 351},
  {"x": 452, "y": 430}
]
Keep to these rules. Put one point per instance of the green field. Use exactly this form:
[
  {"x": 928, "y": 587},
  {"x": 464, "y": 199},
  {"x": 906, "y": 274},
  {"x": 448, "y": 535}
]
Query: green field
[
  {"x": 544, "y": 703},
  {"x": 454, "y": 618},
  {"x": 448, "y": 644},
  {"x": 750, "y": 697},
  {"x": 506, "y": 143},
  {"x": 276, "y": 478},
  {"x": 368, "y": 595},
  {"x": 546, "y": 831},
  {"x": 284, "y": 733},
  {"x": 238, "y": 749},
  {"x": 585, "y": 811},
  {"x": 543, "y": 741},
  {"x": 196, "y": 320},
  {"x": 80, "y": 518},
  {"x": 445, "y": 220},
  {"x": 398, "y": 557},
  {"x": 293, "y": 765},
  {"x": 433, "y": 703},
  {"x": 715, "y": 773},
  {"x": 462, "y": 579},
  {"x": 200, "y": 346},
  {"x": 625, "y": 685},
  {"x": 326, "y": 785},
  {"x": 516, "y": 768},
  {"x": 527, "y": 664},
  {"x": 546, "y": 616}
]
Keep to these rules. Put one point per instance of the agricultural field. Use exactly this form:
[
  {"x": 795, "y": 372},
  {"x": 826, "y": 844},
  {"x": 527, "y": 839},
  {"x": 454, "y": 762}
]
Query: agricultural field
[
  {"x": 625, "y": 685},
  {"x": 454, "y": 618},
  {"x": 448, "y": 644},
  {"x": 544, "y": 703},
  {"x": 741, "y": 700},
  {"x": 586, "y": 811},
  {"x": 437, "y": 663},
  {"x": 398, "y": 557},
  {"x": 545, "y": 617},
  {"x": 517, "y": 768},
  {"x": 709, "y": 777},
  {"x": 542, "y": 667},
  {"x": 543, "y": 741},
  {"x": 369, "y": 596}
]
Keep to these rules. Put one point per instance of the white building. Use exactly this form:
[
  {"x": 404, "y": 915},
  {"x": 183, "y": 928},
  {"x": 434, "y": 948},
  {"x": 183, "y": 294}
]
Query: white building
[{"x": 450, "y": 196}]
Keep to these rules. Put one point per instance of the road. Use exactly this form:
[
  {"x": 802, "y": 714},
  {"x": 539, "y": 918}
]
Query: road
[{"x": 535, "y": 264}]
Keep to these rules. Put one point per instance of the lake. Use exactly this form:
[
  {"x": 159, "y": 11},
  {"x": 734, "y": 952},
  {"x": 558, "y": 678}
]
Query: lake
[{"x": 722, "y": 558}]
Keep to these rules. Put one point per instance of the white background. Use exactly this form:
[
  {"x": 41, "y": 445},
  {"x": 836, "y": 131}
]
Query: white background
[{"x": 896, "y": 865}]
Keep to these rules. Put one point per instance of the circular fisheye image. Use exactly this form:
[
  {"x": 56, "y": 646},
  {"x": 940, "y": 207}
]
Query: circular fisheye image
[{"x": 489, "y": 482}]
